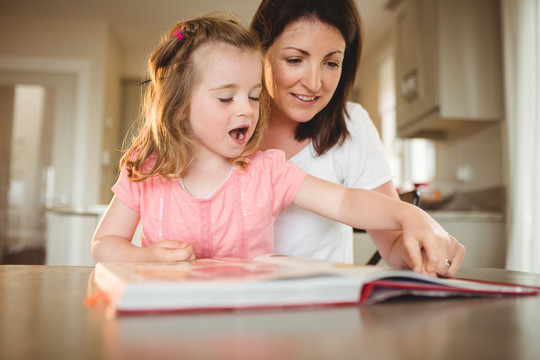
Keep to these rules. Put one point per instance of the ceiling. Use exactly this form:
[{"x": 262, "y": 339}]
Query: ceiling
[{"x": 138, "y": 24}]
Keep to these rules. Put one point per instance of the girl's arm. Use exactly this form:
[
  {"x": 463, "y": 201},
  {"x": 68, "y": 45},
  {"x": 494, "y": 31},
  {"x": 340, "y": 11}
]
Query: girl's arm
[
  {"x": 389, "y": 243},
  {"x": 112, "y": 240},
  {"x": 424, "y": 244}
]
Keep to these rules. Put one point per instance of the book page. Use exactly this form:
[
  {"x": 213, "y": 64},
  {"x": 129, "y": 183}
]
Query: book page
[
  {"x": 208, "y": 270},
  {"x": 405, "y": 279},
  {"x": 367, "y": 272}
]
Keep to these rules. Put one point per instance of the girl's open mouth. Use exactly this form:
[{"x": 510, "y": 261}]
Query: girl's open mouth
[{"x": 239, "y": 134}]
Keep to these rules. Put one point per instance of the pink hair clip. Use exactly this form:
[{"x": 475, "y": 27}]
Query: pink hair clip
[{"x": 178, "y": 34}]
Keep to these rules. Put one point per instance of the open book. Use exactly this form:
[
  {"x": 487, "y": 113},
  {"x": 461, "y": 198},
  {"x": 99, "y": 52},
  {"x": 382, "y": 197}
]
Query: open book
[{"x": 271, "y": 281}]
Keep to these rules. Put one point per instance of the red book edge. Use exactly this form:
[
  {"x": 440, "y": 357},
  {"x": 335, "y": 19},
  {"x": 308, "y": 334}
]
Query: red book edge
[{"x": 367, "y": 289}]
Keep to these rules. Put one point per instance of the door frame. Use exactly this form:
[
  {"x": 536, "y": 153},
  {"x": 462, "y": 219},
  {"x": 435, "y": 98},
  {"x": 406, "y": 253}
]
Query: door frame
[{"x": 73, "y": 240}]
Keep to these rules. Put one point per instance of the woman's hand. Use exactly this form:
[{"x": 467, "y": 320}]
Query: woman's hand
[
  {"x": 169, "y": 251},
  {"x": 426, "y": 247}
]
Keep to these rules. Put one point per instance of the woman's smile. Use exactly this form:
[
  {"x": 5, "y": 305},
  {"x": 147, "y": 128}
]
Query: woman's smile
[{"x": 305, "y": 97}]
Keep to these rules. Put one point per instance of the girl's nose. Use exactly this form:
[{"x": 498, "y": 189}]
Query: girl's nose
[{"x": 246, "y": 107}]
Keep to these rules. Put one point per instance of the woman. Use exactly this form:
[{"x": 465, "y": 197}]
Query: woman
[{"x": 312, "y": 50}]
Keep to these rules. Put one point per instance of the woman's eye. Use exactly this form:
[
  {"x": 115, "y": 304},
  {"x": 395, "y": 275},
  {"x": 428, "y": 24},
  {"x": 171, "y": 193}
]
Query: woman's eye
[
  {"x": 293, "y": 61},
  {"x": 333, "y": 64}
]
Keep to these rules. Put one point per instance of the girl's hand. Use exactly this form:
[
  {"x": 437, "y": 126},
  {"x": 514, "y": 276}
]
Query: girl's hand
[
  {"x": 427, "y": 247},
  {"x": 170, "y": 251}
]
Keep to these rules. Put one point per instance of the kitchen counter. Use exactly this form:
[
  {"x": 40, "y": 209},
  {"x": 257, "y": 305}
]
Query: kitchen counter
[
  {"x": 459, "y": 215},
  {"x": 483, "y": 233}
]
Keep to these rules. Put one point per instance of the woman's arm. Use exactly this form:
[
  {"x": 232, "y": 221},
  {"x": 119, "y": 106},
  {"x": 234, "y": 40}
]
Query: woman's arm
[
  {"x": 424, "y": 243},
  {"x": 112, "y": 240}
]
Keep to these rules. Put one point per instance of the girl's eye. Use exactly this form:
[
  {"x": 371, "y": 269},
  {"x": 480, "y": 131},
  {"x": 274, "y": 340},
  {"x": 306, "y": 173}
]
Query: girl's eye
[
  {"x": 254, "y": 98},
  {"x": 226, "y": 100}
]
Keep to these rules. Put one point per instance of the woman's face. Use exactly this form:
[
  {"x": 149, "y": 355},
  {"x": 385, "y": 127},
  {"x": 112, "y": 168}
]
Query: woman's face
[{"x": 303, "y": 67}]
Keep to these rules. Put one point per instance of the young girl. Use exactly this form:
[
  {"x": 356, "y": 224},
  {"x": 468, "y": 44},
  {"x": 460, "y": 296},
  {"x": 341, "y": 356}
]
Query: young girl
[{"x": 193, "y": 176}]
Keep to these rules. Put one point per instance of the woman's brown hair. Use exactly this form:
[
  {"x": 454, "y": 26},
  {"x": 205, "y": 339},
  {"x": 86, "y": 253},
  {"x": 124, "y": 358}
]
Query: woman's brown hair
[
  {"x": 328, "y": 127},
  {"x": 166, "y": 135}
]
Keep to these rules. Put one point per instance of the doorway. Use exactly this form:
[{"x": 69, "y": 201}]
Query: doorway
[{"x": 37, "y": 126}]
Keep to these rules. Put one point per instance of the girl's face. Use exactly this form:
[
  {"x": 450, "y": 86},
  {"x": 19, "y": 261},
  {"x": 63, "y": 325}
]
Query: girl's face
[
  {"x": 303, "y": 67},
  {"x": 225, "y": 101}
]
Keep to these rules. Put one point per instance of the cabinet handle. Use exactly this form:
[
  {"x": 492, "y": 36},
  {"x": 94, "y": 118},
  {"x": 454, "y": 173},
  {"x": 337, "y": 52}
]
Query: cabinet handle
[{"x": 409, "y": 86}]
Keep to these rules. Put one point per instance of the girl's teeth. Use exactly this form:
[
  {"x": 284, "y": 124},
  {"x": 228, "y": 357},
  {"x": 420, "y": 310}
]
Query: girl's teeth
[
  {"x": 239, "y": 133},
  {"x": 306, "y": 98}
]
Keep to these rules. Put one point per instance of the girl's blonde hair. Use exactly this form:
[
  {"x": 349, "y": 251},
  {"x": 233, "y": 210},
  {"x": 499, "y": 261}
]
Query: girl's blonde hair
[{"x": 166, "y": 134}]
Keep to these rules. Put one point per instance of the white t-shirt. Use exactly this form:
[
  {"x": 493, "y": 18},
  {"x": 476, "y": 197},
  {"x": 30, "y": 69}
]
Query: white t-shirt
[{"x": 359, "y": 162}]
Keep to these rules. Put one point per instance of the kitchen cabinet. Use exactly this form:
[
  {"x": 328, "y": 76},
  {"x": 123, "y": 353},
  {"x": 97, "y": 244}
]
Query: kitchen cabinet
[
  {"x": 482, "y": 233},
  {"x": 448, "y": 66}
]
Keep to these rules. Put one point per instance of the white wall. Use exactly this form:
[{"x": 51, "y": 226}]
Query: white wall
[
  {"x": 112, "y": 125},
  {"x": 367, "y": 90},
  {"x": 46, "y": 46},
  {"x": 480, "y": 152}
]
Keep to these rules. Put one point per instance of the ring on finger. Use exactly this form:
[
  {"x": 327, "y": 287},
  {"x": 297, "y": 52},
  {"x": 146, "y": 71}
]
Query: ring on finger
[{"x": 447, "y": 262}]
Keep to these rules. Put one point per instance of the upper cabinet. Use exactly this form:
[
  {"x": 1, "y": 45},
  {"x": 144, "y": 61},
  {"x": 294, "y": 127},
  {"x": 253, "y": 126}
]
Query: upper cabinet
[{"x": 448, "y": 66}]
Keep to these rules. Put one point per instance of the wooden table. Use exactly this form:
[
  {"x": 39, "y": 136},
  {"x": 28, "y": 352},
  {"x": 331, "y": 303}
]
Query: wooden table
[{"x": 43, "y": 316}]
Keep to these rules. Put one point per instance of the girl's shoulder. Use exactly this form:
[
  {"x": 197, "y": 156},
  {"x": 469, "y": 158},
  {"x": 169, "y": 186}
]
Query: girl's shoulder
[
  {"x": 273, "y": 162},
  {"x": 149, "y": 163},
  {"x": 146, "y": 167},
  {"x": 272, "y": 167},
  {"x": 266, "y": 158}
]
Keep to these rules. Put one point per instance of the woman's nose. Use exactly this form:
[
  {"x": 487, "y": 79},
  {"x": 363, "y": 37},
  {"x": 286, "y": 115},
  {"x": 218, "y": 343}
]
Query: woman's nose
[{"x": 312, "y": 79}]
